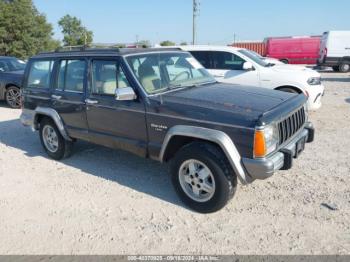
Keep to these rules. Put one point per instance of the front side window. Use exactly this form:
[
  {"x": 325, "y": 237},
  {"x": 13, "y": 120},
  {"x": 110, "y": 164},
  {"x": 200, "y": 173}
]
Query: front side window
[
  {"x": 227, "y": 61},
  {"x": 107, "y": 76},
  {"x": 165, "y": 71},
  {"x": 71, "y": 75},
  {"x": 40, "y": 74}
]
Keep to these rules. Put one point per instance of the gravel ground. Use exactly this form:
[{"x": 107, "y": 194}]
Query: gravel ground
[{"x": 110, "y": 202}]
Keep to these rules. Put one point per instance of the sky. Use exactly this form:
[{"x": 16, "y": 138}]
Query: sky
[{"x": 123, "y": 21}]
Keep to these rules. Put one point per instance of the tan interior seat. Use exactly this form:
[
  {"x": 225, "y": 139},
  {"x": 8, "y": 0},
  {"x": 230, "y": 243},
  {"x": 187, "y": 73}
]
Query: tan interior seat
[{"x": 148, "y": 78}]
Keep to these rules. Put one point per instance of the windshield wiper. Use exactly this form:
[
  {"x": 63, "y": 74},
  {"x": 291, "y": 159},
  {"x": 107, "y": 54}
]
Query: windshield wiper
[{"x": 270, "y": 65}]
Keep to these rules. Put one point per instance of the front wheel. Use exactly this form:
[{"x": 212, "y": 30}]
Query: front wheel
[
  {"x": 52, "y": 140},
  {"x": 13, "y": 97},
  {"x": 202, "y": 177}
]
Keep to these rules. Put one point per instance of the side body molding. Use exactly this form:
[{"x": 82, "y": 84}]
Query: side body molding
[
  {"x": 218, "y": 137},
  {"x": 55, "y": 117}
]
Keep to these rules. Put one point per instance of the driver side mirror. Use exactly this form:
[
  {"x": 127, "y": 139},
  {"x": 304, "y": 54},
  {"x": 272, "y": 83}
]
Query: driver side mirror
[
  {"x": 247, "y": 66},
  {"x": 125, "y": 94}
]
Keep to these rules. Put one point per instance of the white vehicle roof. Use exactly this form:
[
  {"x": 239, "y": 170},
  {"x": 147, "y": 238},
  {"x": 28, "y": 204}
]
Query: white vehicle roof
[{"x": 208, "y": 47}]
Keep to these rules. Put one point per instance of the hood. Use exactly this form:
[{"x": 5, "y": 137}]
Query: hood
[
  {"x": 232, "y": 104},
  {"x": 293, "y": 68},
  {"x": 16, "y": 73}
]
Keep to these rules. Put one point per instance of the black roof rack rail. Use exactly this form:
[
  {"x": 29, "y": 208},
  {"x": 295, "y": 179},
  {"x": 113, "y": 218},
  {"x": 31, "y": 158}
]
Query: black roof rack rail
[{"x": 83, "y": 48}]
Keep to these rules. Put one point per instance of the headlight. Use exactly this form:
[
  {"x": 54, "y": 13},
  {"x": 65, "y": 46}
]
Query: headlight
[
  {"x": 266, "y": 140},
  {"x": 313, "y": 81}
]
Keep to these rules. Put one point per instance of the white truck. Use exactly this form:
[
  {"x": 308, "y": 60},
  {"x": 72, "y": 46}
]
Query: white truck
[{"x": 335, "y": 50}]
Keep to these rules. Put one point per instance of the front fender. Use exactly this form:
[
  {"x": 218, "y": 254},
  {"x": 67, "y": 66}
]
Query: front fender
[{"x": 218, "y": 137}]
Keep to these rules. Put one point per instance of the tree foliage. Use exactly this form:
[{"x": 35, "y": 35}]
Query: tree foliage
[
  {"x": 167, "y": 43},
  {"x": 144, "y": 44},
  {"x": 74, "y": 32},
  {"x": 23, "y": 30}
]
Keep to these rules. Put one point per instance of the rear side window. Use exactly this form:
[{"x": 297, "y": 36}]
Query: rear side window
[
  {"x": 71, "y": 75},
  {"x": 40, "y": 74},
  {"x": 202, "y": 57}
]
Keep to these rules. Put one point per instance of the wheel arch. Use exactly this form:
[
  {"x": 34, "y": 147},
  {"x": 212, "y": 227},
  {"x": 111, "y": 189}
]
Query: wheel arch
[
  {"x": 181, "y": 135},
  {"x": 8, "y": 85},
  {"x": 345, "y": 59},
  {"x": 42, "y": 112},
  {"x": 297, "y": 89}
]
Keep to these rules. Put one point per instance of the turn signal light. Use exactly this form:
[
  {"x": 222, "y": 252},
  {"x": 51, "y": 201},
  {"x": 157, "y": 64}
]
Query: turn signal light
[{"x": 259, "y": 144}]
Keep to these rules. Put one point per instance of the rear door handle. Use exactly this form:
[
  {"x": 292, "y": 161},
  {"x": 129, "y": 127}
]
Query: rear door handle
[
  {"x": 56, "y": 97},
  {"x": 91, "y": 102}
]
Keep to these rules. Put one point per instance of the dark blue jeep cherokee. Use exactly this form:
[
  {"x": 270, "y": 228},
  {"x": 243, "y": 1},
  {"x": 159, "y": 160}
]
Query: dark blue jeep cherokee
[{"x": 162, "y": 104}]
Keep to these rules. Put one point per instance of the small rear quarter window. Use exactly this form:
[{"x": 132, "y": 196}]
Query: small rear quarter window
[{"x": 40, "y": 74}]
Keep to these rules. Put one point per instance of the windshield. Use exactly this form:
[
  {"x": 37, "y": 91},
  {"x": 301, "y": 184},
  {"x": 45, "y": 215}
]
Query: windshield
[
  {"x": 255, "y": 57},
  {"x": 11, "y": 64},
  {"x": 166, "y": 71}
]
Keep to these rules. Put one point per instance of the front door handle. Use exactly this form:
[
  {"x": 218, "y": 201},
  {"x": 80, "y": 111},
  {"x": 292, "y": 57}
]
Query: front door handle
[
  {"x": 56, "y": 97},
  {"x": 91, "y": 102}
]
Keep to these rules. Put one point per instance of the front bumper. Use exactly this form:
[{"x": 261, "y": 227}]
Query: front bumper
[
  {"x": 281, "y": 160},
  {"x": 315, "y": 97}
]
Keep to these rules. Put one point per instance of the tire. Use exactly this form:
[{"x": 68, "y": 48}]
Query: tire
[
  {"x": 218, "y": 185},
  {"x": 344, "y": 67},
  {"x": 288, "y": 90},
  {"x": 54, "y": 144},
  {"x": 13, "y": 97},
  {"x": 284, "y": 61},
  {"x": 335, "y": 68}
]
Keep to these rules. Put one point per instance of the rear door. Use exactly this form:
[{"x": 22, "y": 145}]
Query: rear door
[
  {"x": 68, "y": 96},
  {"x": 116, "y": 124},
  {"x": 38, "y": 83}
]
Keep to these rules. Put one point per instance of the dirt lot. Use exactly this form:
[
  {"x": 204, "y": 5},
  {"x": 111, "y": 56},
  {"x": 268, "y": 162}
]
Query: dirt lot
[{"x": 110, "y": 202}]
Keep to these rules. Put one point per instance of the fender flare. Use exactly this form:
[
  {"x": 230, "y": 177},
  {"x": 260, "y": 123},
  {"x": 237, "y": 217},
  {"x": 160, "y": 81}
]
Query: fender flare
[
  {"x": 55, "y": 117},
  {"x": 216, "y": 136}
]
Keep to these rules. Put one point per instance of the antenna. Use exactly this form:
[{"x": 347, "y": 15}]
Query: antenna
[{"x": 196, "y": 10}]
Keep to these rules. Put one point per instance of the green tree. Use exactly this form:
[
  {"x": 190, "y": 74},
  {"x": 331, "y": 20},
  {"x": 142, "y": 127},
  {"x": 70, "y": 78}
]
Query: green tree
[
  {"x": 74, "y": 32},
  {"x": 23, "y": 30},
  {"x": 183, "y": 43},
  {"x": 143, "y": 44},
  {"x": 167, "y": 43}
]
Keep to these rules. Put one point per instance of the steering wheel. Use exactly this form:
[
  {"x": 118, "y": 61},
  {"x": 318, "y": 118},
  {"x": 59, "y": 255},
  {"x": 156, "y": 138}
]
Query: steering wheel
[{"x": 182, "y": 73}]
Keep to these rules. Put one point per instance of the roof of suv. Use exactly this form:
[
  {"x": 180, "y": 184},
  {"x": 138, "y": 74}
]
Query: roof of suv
[{"x": 105, "y": 52}]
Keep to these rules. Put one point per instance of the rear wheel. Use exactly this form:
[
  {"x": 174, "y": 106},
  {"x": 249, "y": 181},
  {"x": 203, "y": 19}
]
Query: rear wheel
[
  {"x": 13, "y": 97},
  {"x": 202, "y": 177},
  {"x": 284, "y": 61},
  {"x": 52, "y": 140},
  {"x": 344, "y": 67}
]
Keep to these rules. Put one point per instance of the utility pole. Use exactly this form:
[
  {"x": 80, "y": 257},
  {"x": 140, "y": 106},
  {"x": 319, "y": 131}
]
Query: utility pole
[{"x": 196, "y": 6}]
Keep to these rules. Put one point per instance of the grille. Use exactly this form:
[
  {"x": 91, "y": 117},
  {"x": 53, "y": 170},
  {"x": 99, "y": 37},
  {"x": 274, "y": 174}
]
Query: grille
[{"x": 291, "y": 125}]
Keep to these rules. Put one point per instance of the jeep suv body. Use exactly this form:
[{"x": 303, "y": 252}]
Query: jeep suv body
[{"x": 162, "y": 104}]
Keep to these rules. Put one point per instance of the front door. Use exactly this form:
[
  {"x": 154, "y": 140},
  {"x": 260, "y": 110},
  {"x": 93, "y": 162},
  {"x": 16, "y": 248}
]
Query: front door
[
  {"x": 68, "y": 96},
  {"x": 227, "y": 67},
  {"x": 116, "y": 124}
]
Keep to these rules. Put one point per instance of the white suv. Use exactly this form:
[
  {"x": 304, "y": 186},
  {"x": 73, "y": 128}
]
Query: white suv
[{"x": 240, "y": 66}]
